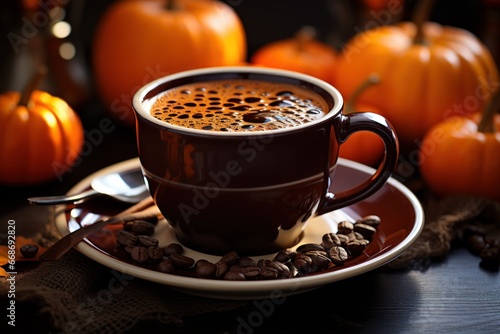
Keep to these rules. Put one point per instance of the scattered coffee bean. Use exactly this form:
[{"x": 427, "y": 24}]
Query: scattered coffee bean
[
  {"x": 147, "y": 241},
  {"x": 29, "y": 250},
  {"x": 166, "y": 266},
  {"x": 251, "y": 272},
  {"x": 181, "y": 261},
  {"x": 334, "y": 249},
  {"x": 140, "y": 254},
  {"x": 221, "y": 268},
  {"x": 173, "y": 248},
  {"x": 309, "y": 247},
  {"x": 233, "y": 275},
  {"x": 204, "y": 268},
  {"x": 365, "y": 230},
  {"x": 338, "y": 255},
  {"x": 246, "y": 261},
  {"x": 371, "y": 220},
  {"x": 284, "y": 255},
  {"x": 302, "y": 262},
  {"x": 126, "y": 238},
  {"x": 356, "y": 247},
  {"x": 345, "y": 227},
  {"x": 283, "y": 270},
  {"x": 230, "y": 258},
  {"x": 268, "y": 273},
  {"x": 329, "y": 240},
  {"x": 139, "y": 227},
  {"x": 155, "y": 253}
]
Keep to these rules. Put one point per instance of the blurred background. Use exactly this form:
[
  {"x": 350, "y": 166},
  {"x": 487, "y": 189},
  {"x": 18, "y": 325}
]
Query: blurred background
[{"x": 71, "y": 77}]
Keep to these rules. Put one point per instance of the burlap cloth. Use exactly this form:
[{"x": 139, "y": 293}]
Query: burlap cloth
[{"x": 78, "y": 293}]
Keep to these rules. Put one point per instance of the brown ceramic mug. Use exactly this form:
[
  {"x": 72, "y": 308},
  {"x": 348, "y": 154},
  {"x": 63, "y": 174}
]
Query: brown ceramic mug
[{"x": 248, "y": 191}]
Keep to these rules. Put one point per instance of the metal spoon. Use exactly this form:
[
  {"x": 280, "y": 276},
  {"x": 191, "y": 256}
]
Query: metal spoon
[{"x": 127, "y": 186}]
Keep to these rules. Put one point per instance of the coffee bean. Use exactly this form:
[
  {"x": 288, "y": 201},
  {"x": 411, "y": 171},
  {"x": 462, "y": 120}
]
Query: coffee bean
[
  {"x": 310, "y": 247},
  {"x": 204, "y": 268},
  {"x": 284, "y": 255},
  {"x": 166, "y": 266},
  {"x": 221, "y": 268},
  {"x": 230, "y": 258},
  {"x": 251, "y": 272},
  {"x": 147, "y": 241},
  {"x": 29, "y": 250},
  {"x": 173, "y": 248},
  {"x": 126, "y": 238},
  {"x": 263, "y": 262},
  {"x": 338, "y": 255},
  {"x": 365, "y": 230},
  {"x": 345, "y": 227},
  {"x": 344, "y": 239},
  {"x": 181, "y": 261},
  {"x": 140, "y": 254},
  {"x": 371, "y": 220},
  {"x": 233, "y": 275},
  {"x": 356, "y": 247},
  {"x": 139, "y": 227},
  {"x": 303, "y": 263},
  {"x": 155, "y": 253},
  {"x": 246, "y": 261},
  {"x": 268, "y": 273},
  {"x": 320, "y": 260},
  {"x": 329, "y": 240},
  {"x": 129, "y": 249},
  {"x": 283, "y": 270}
]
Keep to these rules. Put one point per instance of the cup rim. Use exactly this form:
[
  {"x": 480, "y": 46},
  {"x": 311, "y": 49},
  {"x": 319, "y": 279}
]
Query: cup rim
[{"x": 140, "y": 96}]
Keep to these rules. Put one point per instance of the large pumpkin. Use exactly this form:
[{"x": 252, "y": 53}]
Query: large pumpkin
[
  {"x": 138, "y": 41},
  {"x": 302, "y": 53},
  {"x": 41, "y": 138},
  {"x": 428, "y": 72}
]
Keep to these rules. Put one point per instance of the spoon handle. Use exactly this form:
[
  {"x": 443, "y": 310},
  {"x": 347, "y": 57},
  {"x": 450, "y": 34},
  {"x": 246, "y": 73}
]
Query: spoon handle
[
  {"x": 142, "y": 210},
  {"x": 64, "y": 199}
]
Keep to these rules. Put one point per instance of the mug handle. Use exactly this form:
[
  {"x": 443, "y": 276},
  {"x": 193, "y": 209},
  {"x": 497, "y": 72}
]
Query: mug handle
[{"x": 364, "y": 121}]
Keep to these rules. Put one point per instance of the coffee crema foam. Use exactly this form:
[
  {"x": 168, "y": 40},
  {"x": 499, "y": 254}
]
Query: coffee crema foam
[{"x": 238, "y": 105}]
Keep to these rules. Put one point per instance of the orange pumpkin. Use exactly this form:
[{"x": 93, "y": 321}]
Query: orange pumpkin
[
  {"x": 462, "y": 154},
  {"x": 302, "y": 53},
  {"x": 428, "y": 73},
  {"x": 40, "y": 137},
  {"x": 138, "y": 41},
  {"x": 364, "y": 146}
]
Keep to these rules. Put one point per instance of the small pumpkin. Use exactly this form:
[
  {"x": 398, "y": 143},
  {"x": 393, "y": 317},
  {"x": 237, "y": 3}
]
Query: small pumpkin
[
  {"x": 302, "y": 53},
  {"x": 41, "y": 136},
  {"x": 364, "y": 146},
  {"x": 136, "y": 42},
  {"x": 428, "y": 72},
  {"x": 462, "y": 154}
]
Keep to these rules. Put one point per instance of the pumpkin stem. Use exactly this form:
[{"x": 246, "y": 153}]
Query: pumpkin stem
[
  {"x": 486, "y": 125},
  {"x": 421, "y": 14},
  {"x": 171, "y": 5},
  {"x": 305, "y": 35},
  {"x": 372, "y": 80},
  {"x": 33, "y": 84}
]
